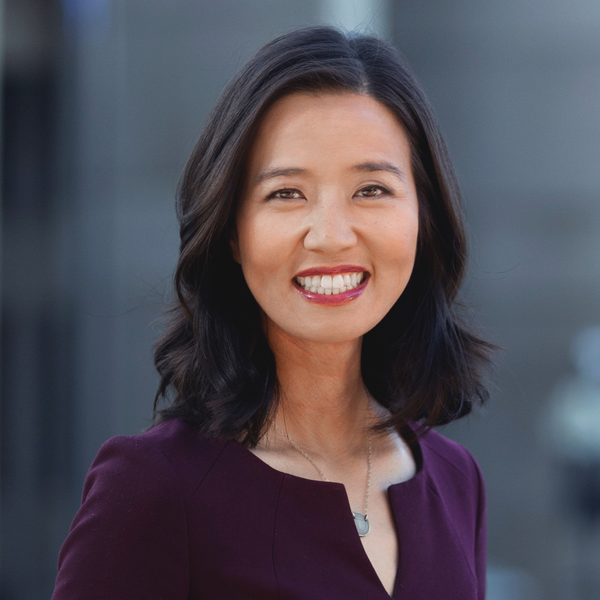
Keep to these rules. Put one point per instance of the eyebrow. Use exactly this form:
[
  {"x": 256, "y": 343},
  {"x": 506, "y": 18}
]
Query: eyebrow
[
  {"x": 277, "y": 172},
  {"x": 371, "y": 167},
  {"x": 366, "y": 167}
]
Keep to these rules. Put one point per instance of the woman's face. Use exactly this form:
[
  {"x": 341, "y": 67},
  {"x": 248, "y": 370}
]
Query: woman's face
[{"x": 327, "y": 226}]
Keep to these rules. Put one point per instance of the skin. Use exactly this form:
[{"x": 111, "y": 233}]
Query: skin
[{"x": 307, "y": 204}]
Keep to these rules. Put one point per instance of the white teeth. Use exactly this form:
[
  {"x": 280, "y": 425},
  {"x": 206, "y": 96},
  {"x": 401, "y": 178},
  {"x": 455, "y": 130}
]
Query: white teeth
[
  {"x": 328, "y": 285},
  {"x": 338, "y": 281}
]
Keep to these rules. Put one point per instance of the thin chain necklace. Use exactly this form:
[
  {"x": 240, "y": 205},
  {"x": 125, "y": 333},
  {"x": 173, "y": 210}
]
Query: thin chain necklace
[{"x": 361, "y": 521}]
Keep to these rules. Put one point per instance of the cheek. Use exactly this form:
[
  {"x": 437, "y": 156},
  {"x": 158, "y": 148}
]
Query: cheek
[
  {"x": 262, "y": 248},
  {"x": 396, "y": 237},
  {"x": 396, "y": 251}
]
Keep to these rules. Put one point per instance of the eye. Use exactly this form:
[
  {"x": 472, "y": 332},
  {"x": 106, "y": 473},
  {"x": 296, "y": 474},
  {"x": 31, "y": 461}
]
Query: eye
[
  {"x": 285, "y": 194},
  {"x": 373, "y": 191}
]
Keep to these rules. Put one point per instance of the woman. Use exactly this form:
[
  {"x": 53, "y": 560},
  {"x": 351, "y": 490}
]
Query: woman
[{"x": 313, "y": 344}]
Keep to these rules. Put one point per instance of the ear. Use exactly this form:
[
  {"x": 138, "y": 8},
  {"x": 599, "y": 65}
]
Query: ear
[{"x": 235, "y": 246}]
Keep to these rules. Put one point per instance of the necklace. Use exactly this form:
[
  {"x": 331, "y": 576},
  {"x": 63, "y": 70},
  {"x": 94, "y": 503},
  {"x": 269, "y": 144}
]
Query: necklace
[{"x": 361, "y": 521}]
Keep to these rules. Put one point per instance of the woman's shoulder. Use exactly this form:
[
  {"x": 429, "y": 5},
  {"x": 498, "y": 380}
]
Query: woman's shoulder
[
  {"x": 175, "y": 439},
  {"x": 172, "y": 450},
  {"x": 132, "y": 523},
  {"x": 445, "y": 459}
]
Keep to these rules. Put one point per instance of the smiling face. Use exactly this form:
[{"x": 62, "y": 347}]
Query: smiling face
[{"x": 327, "y": 226}]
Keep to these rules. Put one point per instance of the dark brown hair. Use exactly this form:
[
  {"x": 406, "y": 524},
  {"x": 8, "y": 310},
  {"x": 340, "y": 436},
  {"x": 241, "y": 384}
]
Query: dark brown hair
[{"x": 216, "y": 369}]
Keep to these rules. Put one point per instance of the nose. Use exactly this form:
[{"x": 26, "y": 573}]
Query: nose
[{"x": 331, "y": 227}]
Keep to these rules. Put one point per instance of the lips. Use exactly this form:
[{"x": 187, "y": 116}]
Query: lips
[
  {"x": 330, "y": 296},
  {"x": 328, "y": 285}
]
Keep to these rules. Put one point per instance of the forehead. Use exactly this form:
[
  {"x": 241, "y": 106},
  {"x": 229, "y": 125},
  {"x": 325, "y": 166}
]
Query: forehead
[{"x": 306, "y": 127}]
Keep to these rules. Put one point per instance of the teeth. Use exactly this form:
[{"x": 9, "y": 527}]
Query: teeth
[{"x": 329, "y": 285}]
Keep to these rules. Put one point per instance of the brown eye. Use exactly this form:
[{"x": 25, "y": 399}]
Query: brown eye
[
  {"x": 286, "y": 194},
  {"x": 372, "y": 191}
]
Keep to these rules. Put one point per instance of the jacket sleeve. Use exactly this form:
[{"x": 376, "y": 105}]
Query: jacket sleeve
[
  {"x": 480, "y": 536},
  {"x": 129, "y": 538}
]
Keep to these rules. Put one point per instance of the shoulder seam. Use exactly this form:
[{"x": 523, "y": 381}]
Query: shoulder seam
[
  {"x": 449, "y": 462},
  {"x": 212, "y": 464},
  {"x": 152, "y": 444}
]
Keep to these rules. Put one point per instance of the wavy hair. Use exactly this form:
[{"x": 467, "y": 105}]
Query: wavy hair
[{"x": 216, "y": 369}]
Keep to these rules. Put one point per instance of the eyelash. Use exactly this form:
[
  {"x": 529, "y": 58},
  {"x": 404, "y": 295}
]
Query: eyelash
[
  {"x": 384, "y": 191},
  {"x": 283, "y": 191},
  {"x": 274, "y": 195}
]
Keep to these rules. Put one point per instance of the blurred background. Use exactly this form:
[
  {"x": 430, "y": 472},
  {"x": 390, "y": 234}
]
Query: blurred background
[{"x": 102, "y": 102}]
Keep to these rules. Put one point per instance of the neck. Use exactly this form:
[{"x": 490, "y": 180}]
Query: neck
[{"x": 323, "y": 404}]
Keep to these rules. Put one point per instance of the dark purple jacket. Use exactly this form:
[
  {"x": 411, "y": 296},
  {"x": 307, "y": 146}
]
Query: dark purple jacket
[{"x": 173, "y": 515}]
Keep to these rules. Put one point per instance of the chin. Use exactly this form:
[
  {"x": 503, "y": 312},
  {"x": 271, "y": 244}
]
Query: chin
[{"x": 329, "y": 334}]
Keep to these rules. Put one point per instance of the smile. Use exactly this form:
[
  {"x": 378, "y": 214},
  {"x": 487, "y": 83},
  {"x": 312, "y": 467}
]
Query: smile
[
  {"x": 328, "y": 285},
  {"x": 334, "y": 288}
]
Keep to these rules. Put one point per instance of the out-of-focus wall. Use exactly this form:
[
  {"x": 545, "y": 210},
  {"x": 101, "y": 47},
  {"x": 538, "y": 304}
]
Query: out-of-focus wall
[
  {"x": 103, "y": 101},
  {"x": 35, "y": 325}
]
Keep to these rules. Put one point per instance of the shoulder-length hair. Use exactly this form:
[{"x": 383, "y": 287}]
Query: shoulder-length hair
[{"x": 216, "y": 369}]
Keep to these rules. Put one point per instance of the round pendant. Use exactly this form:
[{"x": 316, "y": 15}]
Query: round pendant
[{"x": 362, "y": 524}]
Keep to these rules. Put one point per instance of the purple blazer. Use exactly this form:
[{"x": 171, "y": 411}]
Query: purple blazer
[{"x": 171, "y": 514}]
